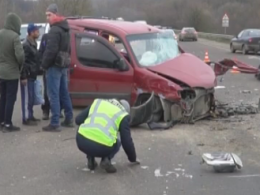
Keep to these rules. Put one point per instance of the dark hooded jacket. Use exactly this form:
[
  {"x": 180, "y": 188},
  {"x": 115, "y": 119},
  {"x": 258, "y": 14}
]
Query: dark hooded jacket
[
  {"x": 11, "y": 50},
  {"x": 58, "y": 40},
  {"x": 31, "y": 66}
]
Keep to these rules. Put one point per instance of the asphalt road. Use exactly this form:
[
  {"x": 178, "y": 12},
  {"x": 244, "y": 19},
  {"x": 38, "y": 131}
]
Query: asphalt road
[{"x": 39, "y": 163}]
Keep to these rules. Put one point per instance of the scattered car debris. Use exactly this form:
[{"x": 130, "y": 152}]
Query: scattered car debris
[
  {"x": 224, "y": 110},
  {"x": 221, "y": 111},
  {"x": 245, "y": 91},
  {"x": 201, "y": 144},
  {"x": 222, "y": 162}
]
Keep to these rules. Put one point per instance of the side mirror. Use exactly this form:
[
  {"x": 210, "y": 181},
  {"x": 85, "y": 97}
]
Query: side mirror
[{"x": 122, "y": 65}]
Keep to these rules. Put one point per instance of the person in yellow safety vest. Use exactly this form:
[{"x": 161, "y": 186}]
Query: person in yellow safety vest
[{"x": 99, "y": 126}]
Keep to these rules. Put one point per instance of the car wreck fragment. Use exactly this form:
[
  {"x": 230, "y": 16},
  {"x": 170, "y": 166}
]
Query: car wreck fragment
[{"x": 195, "y": 103}]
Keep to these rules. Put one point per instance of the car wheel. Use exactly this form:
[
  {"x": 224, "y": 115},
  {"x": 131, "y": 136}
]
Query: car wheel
[
  {"x": 195, "y": 39},
  {"x": 258, "y": 74},
  {"x": 244, "y": 50},
  {"x": 232, "y": 49}
]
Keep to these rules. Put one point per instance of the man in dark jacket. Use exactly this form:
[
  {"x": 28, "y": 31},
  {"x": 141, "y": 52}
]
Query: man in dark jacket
[
  {"x": 56, "y": 60},
  {"x": 31, "y": 68},
  {"x": 11, "y": 61},
  {"x": 99, "y": 125},
  {"x": 46, "y": 105}
]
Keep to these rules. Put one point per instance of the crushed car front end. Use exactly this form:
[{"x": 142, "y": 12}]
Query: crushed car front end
[{"x": 179, "y": 86}]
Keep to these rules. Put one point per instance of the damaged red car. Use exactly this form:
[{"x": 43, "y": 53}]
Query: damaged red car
[{"x": 140, "y": 63}]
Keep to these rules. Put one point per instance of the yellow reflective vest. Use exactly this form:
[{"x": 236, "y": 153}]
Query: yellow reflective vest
[{"x": 103, "y": 121}]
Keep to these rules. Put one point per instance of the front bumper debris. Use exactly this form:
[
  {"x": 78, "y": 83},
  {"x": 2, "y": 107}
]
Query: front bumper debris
[{"x": 222, "y": 162}]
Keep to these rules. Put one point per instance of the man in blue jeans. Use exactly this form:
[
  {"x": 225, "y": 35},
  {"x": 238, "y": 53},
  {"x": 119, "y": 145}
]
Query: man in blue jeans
[
  {"x": 31, "y": 68},
  {"x": 56, "y": 60}
]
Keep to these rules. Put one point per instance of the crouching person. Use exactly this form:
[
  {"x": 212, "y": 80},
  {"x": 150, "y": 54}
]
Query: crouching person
[
  {"x": 29, "y": 74},
  {"x": 99, "y": 126}
]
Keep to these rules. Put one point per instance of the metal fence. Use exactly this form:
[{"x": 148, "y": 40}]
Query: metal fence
[{"x": 210, "y": 36}]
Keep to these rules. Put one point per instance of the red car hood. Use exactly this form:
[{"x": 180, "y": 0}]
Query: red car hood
[{"x": 188, "y": 69}]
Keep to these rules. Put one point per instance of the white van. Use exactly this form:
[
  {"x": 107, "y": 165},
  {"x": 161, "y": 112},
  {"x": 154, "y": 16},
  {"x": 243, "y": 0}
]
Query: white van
[{"x": 44, "y": 29}]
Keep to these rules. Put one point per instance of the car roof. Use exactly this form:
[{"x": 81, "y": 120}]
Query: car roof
[
  {"x": 125, "y": 27},
  {"x": 253, "y": 29}
]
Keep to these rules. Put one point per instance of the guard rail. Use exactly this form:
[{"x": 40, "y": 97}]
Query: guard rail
[{"x": 215, "y": 37}]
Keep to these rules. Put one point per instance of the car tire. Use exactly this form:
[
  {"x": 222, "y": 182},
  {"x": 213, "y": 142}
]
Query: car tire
[
  {"x": 195, "y": 39},
  {"x": 232, "y": 49},
  {"x": 244, "y": 50},
  {"x": 257, "y": 75}
]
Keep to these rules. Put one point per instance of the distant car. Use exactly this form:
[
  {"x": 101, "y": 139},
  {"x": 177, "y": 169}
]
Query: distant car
[
  {"x": 188, "y": 33},
  {"x": 44, "y": 29},
  {"x": 246, "y": 41},
  {"x": 172, "y": 31}
]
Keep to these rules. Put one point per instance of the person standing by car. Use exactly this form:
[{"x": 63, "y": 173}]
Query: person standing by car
[
  {"x": 31, "y": 68},
  {"x": 56, "y": 60},
  {"x": 11, "y": 61},
  {"x": 46, "y": 105}
]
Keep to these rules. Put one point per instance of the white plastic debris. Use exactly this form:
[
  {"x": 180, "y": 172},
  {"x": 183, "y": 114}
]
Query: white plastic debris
[
  {"x": 220, "y": 87},
  {"x": 157, "y": 173},
  {"x": 85, "y": 169},
  {"x": 144, "y": 167},
  {"x": 222, "y": 162}
]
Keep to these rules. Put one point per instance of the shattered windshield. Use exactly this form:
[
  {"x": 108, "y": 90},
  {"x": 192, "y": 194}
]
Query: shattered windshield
[{"x": 153, "y": 48}]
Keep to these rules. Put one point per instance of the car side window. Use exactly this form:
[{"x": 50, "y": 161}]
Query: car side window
[
  {"x": 245, "y": 33},
  {"x": 93, "y": 53}
]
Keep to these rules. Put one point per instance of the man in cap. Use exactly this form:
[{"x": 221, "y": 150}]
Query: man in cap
[
  {"x": 56, "y": 60},
  {"x": 99, "y": 126},
  {"x": 11, "y": 61},
  {"x": 31, "y": 68}
]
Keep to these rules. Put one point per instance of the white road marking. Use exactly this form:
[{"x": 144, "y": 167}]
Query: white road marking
[
  {"x": 220, "y": 87},
  {"x": 254, "y": 57},
  {"x": 245, "y": 176},
  {"x": 214, "y": 46}
]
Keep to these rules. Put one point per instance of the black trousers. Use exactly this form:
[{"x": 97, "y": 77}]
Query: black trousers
[
  {"x": 94, "y": 149},
  {"x": 46, "y": 106},
  {"x": 8, "y": 89}
]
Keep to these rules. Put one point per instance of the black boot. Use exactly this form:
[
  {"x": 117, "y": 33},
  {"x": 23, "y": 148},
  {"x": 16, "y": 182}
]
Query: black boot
[
  {"x": 10, "y": 128},
  {"x": 34, "y": 119},
  {"x": 92, "y": 164},
  {"x": 107, "y": 166},
  {"x": 67, "y": 123},
  {"x": 45, "y": 116},
  {"x": 51, "y": 128}
]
